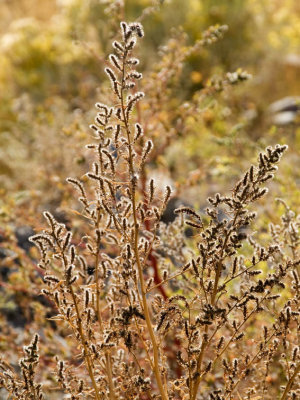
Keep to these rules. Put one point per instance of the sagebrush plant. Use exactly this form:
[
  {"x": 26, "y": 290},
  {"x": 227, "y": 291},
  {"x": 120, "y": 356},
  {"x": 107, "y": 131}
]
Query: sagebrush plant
[{"x": 193, "y": 339}]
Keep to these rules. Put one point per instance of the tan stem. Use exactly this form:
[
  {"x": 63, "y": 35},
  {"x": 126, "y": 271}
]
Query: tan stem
[
  {"x": 81, "y": 334},
  {"x": 196, "y": 384},
  {"x": 136, "y": 251},
  {"x": 107, "y": 354},
  {"x": 83, "y": 342},
  {"x": 290, "y": 383}
]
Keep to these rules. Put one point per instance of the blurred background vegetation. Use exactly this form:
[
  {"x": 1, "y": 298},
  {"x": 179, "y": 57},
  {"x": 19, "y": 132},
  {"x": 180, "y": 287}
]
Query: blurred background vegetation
[
  {"x": 206, "y": 128},
  {"x": 52, "y": 57},
  {"x": 205, "y": 131}
]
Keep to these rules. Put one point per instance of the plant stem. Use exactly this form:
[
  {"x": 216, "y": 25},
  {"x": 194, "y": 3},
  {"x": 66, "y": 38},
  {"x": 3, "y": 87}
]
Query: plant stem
[
  {"x": 196, "y": 384},
  {"x": 290, "y": 383},
  {"x": 135, "y": 245},
  {"x": 83, "y": 341},
  {"x": 81, "y": 334},
  {"x": 107, "y": 354}
]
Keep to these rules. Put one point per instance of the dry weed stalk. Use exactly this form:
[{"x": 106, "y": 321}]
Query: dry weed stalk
[
  {"x": 107, "y": 297},
  {"x": 25, "y": 388}
]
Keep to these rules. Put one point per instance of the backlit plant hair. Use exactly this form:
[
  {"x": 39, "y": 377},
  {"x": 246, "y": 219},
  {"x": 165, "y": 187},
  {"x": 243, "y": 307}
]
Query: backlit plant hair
[{"x": 104, "y": 292}]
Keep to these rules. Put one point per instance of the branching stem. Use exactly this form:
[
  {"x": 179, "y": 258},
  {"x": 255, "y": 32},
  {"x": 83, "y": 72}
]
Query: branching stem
[
  {"x": 135, "y": 245},
  {"x": 290, "y": 382}
]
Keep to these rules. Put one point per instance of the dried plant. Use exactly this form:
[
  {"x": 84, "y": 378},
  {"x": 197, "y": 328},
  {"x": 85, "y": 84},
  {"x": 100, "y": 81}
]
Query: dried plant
[
  {"x": 24, "y": 387},
  {"x": 193, "y": 340}
]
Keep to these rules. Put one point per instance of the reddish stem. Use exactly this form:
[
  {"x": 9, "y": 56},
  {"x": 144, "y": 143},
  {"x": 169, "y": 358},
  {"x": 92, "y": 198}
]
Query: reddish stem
[{"x": 153, "y": 261}]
